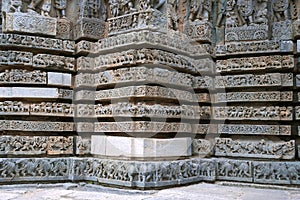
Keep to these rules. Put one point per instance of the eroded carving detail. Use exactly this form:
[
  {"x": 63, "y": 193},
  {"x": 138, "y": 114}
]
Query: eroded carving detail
[
  {"x": 254, "y": 96},
  {"x": 245, "y": 129},
  {"x": 234, "y": 170},
  {"x": 255, "y": 63},
  {"x": 254, "y": 113},
  {"x": 253, "y": 80},
  {"x": 255, "y": 149}
]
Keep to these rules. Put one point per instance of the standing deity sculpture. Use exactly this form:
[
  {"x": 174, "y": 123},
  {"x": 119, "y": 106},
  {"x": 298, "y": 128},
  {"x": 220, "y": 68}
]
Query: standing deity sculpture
[
  {"x": 232, "y": 14},
  {"x": 200, "y": 9}
]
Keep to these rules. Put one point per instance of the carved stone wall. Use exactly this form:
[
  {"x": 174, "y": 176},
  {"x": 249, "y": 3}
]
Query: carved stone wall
[{"x": 216, "y": 80}]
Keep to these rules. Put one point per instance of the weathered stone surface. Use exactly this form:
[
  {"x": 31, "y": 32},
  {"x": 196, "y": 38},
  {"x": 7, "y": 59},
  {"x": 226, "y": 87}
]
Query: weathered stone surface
[
  {"x": 84, "y": 127},
  {"x": 142, "y": 127},
  {"x": 283, "y": 30},
  {"x": 85, "y": 47},
  {"x": 89, "y": 28},
  {"x": 252, "y": 80},
  {"x": 254, "y": 96},
  {"x": 154, "y": 57},
  {"x": 147, "y": 19},
  {"x": 35, "y": 145},
  {"x": 52, "y": 109},
  {"x": 204, "y": 129},
  {"x": 14, "y": 108},
  {"x": 255, "y": 63},
  {"x": 125, "y": 109},
  {"x": 144, "y": 174},
  {"x": 142, "y": 92},
  {"x": 28, "y": 23},
  {"x": 247, "y": 129},
  {"x": 258, "y": 32},
  {"x": 83, "y": 146},
  {"x": 36, "y": 126},
  {"x": 54, "y": 62},
  {"x": 255, "y": 148},
  {"x": 36, "y": 43},
  {"x": 202, "y": 147},
  {"x": 19, "y": 58},
  {"x": 276, "y": 172},
  {"x": 65, "y": 94},
  {"x": 254, "y": 47},
  {"x": 35, "y": 93},
  {"x": 142, "y": 75},
  {"x": 253, "y": 113},
  {"x": 60, "y": 145},
  {"x": 23, "y": 76},
  {"x": 34, "y": 169},
  {"x": 177, "y": 42},
  {"x": 64, "y": 28},
  {"x": 140, "y": 147},
  {"x": 23, "y": 145},
  {"x": 200, "y": 31},
  {"x": 234, "y": 170}
]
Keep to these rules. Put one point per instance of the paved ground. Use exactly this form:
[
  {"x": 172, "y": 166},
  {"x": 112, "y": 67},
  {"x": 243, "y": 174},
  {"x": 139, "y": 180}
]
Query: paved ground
[{"x": 220, "y": 191}]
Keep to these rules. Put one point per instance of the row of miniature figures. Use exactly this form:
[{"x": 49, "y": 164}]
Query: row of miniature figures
[{"x": 238, "y": 12}]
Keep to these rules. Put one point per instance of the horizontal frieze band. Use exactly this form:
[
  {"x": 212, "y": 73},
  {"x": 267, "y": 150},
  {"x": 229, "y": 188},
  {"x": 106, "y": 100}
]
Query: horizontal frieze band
[
  {"x": 272, "y": 96},
  {"x": 250, "y": 129},
  {"x": 36, "y": 42},
  {"x": 254, "y": 80},
  {"x": 255, "y": 63},
  {"x": 36, "y": 126},
  {"x": 255, "y": 148},
  {"x": 36, "y": 145},
  {"x": 143, "y": 91},
  {"x": 253, "y": 113},
  {"x": 147, "y": 174}
]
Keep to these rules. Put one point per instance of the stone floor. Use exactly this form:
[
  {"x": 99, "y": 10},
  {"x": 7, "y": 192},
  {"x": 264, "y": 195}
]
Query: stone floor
[{"x": 219, "y": 191}]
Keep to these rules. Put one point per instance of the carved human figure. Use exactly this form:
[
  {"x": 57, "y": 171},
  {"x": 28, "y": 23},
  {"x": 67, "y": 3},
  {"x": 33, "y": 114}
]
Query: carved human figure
[
  {"x": 261, "y": 14},
  {"x": 114, "y": 8},
  {"x": 60, "y": 7},
  {"x": 245, "y": 9},
  {"x": 280, "y": 9},
  {"x": 200, "y": 10},
  {"x": 15, "y": 6},
  {"x": 232, "y": 14}
]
